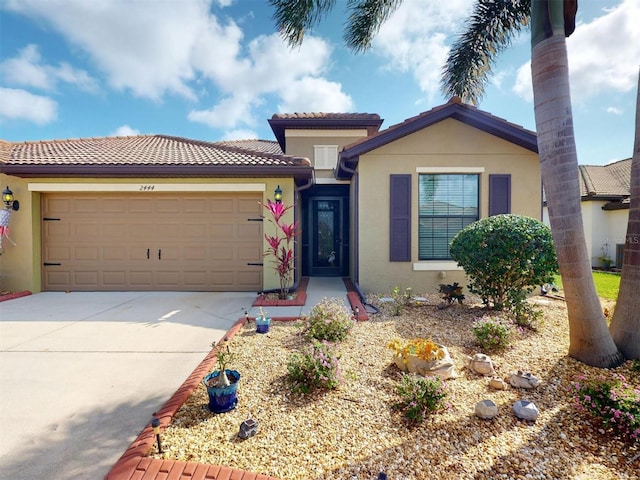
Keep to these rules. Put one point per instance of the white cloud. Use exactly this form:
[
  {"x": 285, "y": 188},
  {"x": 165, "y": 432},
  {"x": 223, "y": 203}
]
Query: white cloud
[
  {"x": 27, "y": 70},
  {"x": 603, "y": 55},
  {"x": 414, "y": 39},
  {"x": 615, "y": 110},
  {"x": 315, "y": 95},
  {"x": 181, "y": 48},
  {"x": 21, "y": 105},
  {"x": 240, "y": 134},
  {"x": 124, "y": 131}
]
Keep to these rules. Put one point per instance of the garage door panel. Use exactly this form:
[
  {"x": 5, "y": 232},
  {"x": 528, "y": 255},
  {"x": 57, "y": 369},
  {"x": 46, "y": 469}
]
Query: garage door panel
[
  {"x": 86, "y": 254},
  {"x": 102, "y": 241},
  {"x": 115, "y": 279},
  {"x": 85, "y": 279}
]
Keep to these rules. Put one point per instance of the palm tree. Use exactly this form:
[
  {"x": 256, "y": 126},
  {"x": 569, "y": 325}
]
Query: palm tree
[
  {"x": 625, "y": 325},
  {"x": 489, "y": 30}
]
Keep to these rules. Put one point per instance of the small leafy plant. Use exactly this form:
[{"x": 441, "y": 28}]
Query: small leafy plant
[
  {"x": 492, "y": 333},
  {"x": 420, "y": 396},
  {"x": 223, "y": 358},
  {"x": 317, "y": 366},
  {"x": 329, "y": 320},
  {"x": 401, "y": 299},
  {"x": 612, "y": 400}
]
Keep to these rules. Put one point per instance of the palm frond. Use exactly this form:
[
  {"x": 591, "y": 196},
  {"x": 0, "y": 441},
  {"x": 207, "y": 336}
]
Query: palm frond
[
  {"x": 294, "y": 17},
  {"x": 365, "y": 19},
  {"x": 489, "y": 30}
]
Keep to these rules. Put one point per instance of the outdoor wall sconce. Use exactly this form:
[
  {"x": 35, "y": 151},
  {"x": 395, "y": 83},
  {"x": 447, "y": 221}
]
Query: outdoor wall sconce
[
  {"x": 277, "y": 194},
  {"x": 7, "y": 198}
]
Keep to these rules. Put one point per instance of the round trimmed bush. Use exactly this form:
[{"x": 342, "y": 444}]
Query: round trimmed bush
[{"x": 504, "y": 256}]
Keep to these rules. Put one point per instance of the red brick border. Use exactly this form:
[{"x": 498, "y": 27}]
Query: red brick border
[
  {"x": 135, "y": 465},
  {"x": 299, "y": 301},
  {"x": 11, "y": 296}
]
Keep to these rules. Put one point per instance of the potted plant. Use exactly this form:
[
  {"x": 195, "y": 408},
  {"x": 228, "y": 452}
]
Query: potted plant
[
  {"x": 263, "y": 322},
  {"x": 222, "y": 384}
]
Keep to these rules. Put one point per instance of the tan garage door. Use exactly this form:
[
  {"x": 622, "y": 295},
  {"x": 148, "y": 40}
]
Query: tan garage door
[{"x": 151, "y": 241}]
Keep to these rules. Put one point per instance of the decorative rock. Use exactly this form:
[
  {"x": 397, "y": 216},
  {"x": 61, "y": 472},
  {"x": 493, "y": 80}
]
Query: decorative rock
[
  {"x": 526, "y": 410},
  {"x": 523, "y": 380},
  {"x": 248, "y": 428},
  {"x": 486, "y": 409},
  {"x": 442, "y": 367},
  {"x": 481, "y": 363},
  {"x": 498, "y": 383}
]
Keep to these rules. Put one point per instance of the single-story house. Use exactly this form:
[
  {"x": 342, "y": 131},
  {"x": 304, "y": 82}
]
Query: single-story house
[
  {"x": 604, "y": 191},
  {"x": 155, "y": 212}
]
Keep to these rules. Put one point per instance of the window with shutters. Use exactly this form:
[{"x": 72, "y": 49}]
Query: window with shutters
[
  {"x": 325, "y": 157},
  {"x": 447, "y": 204}
]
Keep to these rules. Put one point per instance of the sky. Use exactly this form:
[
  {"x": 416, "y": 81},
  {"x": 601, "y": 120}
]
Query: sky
[{"x": 217, "y": 70}]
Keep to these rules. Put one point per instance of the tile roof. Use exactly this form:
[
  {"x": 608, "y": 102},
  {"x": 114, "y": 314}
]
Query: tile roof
[
  {"x": 324, "y": 115},
  {"x": 154, "y": 150},
  {"x": 606, "y": 181}
]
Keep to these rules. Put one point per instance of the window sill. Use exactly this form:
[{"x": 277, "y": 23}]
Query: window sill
[{"x": 437, "y": 265}]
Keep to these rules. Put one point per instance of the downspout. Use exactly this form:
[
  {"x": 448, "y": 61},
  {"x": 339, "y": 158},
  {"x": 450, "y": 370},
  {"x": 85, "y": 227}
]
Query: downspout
[
  {"x": 296, "y": 284},
  {"x": 356, "y": 234}
]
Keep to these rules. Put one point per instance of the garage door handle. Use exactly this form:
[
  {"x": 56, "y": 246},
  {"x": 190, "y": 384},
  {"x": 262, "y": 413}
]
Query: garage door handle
[
  {"x": 251, "y": 264},
  {"x": 52, "y": 264},
  {"x": 148, "y": 252},
  {"x": 159, "y": 254}
]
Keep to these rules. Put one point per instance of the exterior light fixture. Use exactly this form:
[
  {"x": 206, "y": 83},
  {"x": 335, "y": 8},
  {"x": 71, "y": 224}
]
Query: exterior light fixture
[
  {"x": 7, "y": 198},
  {"x": 155, "y": 423},
  {"x": 277, "y": 194}
]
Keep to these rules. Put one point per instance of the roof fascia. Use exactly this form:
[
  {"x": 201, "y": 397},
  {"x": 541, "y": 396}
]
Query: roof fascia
[
  {"x": 279, "y": 125},
  {"x": 474, "y": 118},
  {"x": 300, "y": 173}
]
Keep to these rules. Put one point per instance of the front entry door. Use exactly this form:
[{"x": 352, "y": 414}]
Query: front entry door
[{"x": 327, "y": 237}]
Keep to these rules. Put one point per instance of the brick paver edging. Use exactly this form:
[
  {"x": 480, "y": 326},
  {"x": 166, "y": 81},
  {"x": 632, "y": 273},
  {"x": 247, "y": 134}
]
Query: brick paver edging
[
  {"x": 11, "y": 296},
  {"x": 135, "y": 465}
]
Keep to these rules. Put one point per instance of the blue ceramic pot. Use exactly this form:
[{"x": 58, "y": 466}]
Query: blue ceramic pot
[
  {"x": 263, "y": 324},
  {"x": 222, "y": 399}
]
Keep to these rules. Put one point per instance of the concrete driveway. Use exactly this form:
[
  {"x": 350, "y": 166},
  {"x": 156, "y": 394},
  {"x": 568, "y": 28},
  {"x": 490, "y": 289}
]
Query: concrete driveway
[{"x": 82, "y": 373}]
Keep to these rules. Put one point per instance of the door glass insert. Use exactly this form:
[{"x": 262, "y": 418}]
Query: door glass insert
[{"x": 326, "y": 256}]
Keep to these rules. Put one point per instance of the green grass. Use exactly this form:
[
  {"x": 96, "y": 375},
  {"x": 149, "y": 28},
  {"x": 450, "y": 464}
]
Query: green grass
[{"x": 607, "y": 284}]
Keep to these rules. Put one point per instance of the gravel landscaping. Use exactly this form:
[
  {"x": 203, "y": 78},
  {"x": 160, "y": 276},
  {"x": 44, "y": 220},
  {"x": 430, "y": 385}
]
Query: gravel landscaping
[{"x": 354, "y": 433}]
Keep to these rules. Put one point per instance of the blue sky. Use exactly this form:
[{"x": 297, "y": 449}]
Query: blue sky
[{"x": 216, "y": 69}]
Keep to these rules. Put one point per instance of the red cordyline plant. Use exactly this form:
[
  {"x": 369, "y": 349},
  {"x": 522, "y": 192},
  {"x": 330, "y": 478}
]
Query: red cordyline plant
[{"x": 281, "y": 245}]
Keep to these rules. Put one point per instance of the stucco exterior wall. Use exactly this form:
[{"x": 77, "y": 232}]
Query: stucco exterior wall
[
  {"x": 20, "y": 264},
  {"x": 600, "y": 226},
  {"x": 445, "y": 145}
]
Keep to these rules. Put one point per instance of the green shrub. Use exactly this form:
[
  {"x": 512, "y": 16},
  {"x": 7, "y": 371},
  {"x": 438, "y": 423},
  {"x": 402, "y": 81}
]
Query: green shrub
[
  {"x": 329, "y": 320},
  {"x": 401, "y": 299},
  {"x": 505, "y": 255},
  {"x": 492, "y": 333},
  {"x": 420, "y": 396},
  {"x": 317, "y": 366}
]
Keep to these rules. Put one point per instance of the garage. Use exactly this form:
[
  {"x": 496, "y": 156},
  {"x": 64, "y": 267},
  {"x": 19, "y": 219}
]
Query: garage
[{"x": 151, "y": 241}]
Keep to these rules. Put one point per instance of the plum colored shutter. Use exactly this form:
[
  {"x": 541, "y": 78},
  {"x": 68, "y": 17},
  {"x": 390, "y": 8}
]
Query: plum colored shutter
[
  {"x": 499, "y": 194},
  {"x": 400, "y": 223}
]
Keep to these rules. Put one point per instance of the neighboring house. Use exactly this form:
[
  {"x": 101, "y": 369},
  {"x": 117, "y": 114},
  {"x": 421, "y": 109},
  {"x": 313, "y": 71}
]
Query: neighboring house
[
  {"x": 164, "y": 213},
  {"x": 605, "y": 191}
]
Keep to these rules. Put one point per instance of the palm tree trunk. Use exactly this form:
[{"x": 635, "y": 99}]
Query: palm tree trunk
[
  {"x": 589, "y": 339},
  {"x": 625, "y": 325}
]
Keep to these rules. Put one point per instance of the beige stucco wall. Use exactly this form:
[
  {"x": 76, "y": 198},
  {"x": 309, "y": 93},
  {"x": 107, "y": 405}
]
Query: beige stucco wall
[
  {"x": 448, "y": 144},
  {"x": 602, "y": 226},
  {"x": 20, "y": 265}
]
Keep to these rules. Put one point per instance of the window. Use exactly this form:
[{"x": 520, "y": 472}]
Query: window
[
  {"x": 325, "y": 157},
  {"x": 447, "y": 204}
]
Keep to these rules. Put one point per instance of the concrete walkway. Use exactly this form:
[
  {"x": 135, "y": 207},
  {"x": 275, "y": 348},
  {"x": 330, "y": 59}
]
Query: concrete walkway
[{"x": 82, "y": 373}]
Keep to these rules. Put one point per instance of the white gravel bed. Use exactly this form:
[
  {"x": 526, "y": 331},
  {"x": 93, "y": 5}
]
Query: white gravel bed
[{"x": 354, "y": 433}]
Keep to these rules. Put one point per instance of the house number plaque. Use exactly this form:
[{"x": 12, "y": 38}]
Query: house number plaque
[{"x": 146, "y": 188}]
